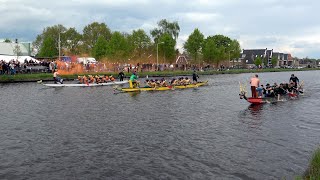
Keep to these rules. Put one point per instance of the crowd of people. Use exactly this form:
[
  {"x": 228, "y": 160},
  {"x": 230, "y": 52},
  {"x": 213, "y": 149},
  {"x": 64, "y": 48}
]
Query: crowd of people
[
  {"x": 275, "y": 90},
  {"x": 13, "y": 67}
]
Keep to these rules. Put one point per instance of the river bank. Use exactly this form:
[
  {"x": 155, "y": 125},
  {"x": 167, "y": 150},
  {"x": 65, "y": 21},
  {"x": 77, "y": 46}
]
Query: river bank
[
  {"x": 313, "y": 171},
  {"x": 48, "y": 76}
]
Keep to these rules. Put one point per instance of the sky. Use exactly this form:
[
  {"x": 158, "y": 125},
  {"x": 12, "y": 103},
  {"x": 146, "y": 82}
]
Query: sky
[{"x": 288, "y": 26}]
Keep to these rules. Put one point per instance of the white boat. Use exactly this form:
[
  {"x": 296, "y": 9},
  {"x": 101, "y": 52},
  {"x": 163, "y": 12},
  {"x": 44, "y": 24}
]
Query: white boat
[{"x": 88, "y": 85}]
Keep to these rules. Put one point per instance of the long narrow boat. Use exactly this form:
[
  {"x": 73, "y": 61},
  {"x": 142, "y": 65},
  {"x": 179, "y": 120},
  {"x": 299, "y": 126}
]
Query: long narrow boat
[
  {"x": 164, "y": 88},
  {"x": 87, "y": 85},
  {"x": 262, "y": 100}
]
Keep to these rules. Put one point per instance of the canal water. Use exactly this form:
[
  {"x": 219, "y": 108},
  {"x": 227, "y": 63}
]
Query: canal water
[{"x": 203, "y": 133}]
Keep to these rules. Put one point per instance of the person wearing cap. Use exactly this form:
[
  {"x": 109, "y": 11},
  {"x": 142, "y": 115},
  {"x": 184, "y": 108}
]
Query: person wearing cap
[
  {"x": 295, "y": 80},
  {"x": 133, "y": 80},
  {"x": 254, "y": 85}
]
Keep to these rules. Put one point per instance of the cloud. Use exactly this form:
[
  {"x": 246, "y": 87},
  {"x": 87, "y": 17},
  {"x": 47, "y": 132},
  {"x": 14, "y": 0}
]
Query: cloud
[{"x": 289, "y": 25}]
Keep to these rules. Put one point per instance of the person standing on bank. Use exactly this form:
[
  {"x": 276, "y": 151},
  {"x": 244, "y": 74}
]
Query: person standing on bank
[
  {"x": 254, "y": 84},
  {"x": 195, "y": 77},
  {"x": 121, "y": 75}
]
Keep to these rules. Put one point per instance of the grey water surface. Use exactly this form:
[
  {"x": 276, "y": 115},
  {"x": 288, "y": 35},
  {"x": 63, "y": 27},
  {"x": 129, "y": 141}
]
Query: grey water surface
[{"x": 203, "y": 133}]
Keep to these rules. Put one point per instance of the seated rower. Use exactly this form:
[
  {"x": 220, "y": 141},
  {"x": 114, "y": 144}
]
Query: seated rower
[
  {"x": 85, "y": 79},
  {"x": 183, "y": 81},
  {"x": 173, "y": 82},
  {"x": 280, "y": 91},
  {"x": 107, "y": 78},
  {"x": 90, "y": 79},
  {"x": 147, "y": 84},
  {"x": 111, "y": 78},
  {"x": 152, "y": 83},
  {"x": 97, "y": 79},
  {"x": 80, "y": 79},
  {"x": 187, "y": 81},
  {"x": 163, "y": 83}
]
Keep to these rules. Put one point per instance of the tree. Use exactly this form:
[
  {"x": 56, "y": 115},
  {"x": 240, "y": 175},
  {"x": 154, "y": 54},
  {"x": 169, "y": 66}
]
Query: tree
[
  {"x": 164, "y": 26},
  {"x": 234, "y": 50},
  {"x": 167, "y": 48},
  {"x": 194, "y": 44},
  {"x": 53, "y": 32},
  {"x": 72, "y": 40},
  {"x": 118, "y": 47},
  {"x": 274, "y": 61},
  {"x": 17, "y": 50},
  {"x": 209, "y": 51},
  {"x": 141, "y": 41},
  {"x": 7, "y": 40},
  {"x": 222, "y": 40},
  {"x": 92, "y": 32},
  {"x": 100, "y": 48},
  {"x": 258, "y": 61},
  {"x": 48, "y": 49}
]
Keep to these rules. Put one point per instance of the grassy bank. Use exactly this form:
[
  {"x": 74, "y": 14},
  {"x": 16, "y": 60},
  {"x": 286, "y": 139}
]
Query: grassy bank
[
  {"x": 48, "y": 76},
  {"x": 313, "y": 172}
]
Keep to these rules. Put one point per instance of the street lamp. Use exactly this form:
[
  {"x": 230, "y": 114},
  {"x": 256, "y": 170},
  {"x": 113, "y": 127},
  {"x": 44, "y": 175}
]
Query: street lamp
[
  {"x": 158, "y": 54},
  {"x": 59, "y": 42}
]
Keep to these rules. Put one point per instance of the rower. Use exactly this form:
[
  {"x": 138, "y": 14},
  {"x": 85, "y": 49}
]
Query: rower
[
  {"x": 133, "y": 82},
  {"x": 56, "y": 77},
  {"x": 295, "y": 80},
  {"x": 187, "y": 81},
  {"x": 111, "y": 78}
]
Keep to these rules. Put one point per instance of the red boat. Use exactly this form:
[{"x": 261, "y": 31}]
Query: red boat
[{"x": 263, "y": 100}]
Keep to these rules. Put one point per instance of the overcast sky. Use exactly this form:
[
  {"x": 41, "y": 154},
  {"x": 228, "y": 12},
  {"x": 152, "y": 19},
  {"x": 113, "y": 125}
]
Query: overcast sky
[{"x": 289, "y": 26}]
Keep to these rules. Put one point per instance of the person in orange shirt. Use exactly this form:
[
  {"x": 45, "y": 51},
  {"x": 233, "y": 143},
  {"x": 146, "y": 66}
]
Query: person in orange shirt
[{"x": 255, "y": 82}]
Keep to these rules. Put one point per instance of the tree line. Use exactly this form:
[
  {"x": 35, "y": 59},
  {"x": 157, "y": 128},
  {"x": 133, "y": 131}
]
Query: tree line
[{"x": 99, "y": 41}]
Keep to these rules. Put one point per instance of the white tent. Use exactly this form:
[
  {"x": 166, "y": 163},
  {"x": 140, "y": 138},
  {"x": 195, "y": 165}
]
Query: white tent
[{"x": 20, "y": 58}]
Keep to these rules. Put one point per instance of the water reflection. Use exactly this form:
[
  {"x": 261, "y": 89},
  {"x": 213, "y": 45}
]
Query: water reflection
[
  {"x": 252, "y": 116},
  {"x": 255, "y": 109}
]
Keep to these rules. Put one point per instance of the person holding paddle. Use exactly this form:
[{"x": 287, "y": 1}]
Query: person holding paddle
[
  {"x": 56, "y": 77},
  {"x": 133, "y": 80}
]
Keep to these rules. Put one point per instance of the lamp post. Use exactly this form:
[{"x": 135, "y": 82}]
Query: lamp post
[
  {"x": 158, "y": 54},
  {"x": 59, "y": 46}
]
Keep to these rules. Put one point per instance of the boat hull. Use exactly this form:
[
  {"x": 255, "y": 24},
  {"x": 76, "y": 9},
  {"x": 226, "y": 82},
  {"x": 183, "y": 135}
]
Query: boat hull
[
  {"x": 164, "y": 88},
  {"x": 87, "y": 85}
]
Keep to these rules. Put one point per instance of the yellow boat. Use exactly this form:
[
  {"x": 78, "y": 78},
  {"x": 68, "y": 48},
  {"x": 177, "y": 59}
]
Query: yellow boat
[{"x": 164, "y": 88}]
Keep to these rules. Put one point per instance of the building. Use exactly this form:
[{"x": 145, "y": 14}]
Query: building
[{"x": 248, "y": 57}]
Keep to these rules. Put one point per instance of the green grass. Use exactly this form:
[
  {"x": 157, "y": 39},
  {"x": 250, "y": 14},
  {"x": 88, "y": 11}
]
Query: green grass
[
  {"x": 313, "y": 172},
  {"x": 48, "y": 76}
]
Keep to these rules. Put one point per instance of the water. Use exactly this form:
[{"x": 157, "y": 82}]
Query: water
[{"x": 204, "y": 133}]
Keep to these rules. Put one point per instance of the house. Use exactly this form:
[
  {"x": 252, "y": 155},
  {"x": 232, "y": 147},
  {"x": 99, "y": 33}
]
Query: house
[{"x": 250, "y": 55}]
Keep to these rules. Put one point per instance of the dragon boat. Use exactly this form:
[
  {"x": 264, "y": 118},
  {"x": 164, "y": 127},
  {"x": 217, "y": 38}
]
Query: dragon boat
[
  {"x": 88, "y": 85},
  {"x": 262, "y": 100},
  {"x": 138, "y": 89}
]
